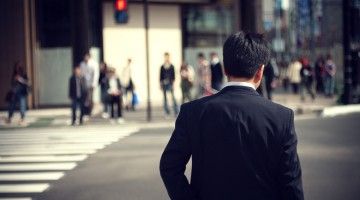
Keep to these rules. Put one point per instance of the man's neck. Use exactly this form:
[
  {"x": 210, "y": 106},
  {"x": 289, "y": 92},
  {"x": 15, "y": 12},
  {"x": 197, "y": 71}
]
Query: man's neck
[
  {"x": 243, "y": 80},
  {"x": 247, "y": 81}
]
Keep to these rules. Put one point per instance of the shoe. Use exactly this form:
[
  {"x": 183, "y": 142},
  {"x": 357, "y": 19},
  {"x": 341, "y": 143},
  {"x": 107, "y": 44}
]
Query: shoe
[
  {"x": 121, "y": 120},
  {"x": 22, "y": 122},
  {"x": 105, "y": 115}
]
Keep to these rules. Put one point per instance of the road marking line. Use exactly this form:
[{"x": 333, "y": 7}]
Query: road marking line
[
  {"x": 37, "y": 167},
  {"x": 26, "y": 159},
  {"x": 39, "y": 176},
  {"x": 47, "y": 152},
  {"x": 25, "y": 198},
  {"x": 17, "y": 142},
  {"x": 24, "y": 188},
  {"x": 52, "y": 147}
]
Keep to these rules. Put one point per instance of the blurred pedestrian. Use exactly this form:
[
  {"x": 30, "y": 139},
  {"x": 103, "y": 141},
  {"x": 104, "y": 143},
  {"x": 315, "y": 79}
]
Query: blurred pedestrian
[
  {"x": 270, "y": 71},
  {"x": 319, "y": 73},
  {"x": 294, "y": 75},
  {"x": 242, "y": 146},
  {"x": 167, "y": 79},
  {"x": 329, "y": 77},
  {"x": 114, "y": 90},
  {"x": 187, "y": 81},
  {"x": 217, "y": 74},
  {"x": 102, "y": 83},
  {"x": 87, "y": 67},
  {"x": 307, "y": 77},
  {"x": 18, "y": 92},
  {"x": 204, "y": 76},
  {"x": 127, "y": 82},
  {"x": 77, "y": 94}
]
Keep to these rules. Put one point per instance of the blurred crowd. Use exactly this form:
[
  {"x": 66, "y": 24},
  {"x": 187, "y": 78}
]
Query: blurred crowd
[{"x": 207, "y": 77}]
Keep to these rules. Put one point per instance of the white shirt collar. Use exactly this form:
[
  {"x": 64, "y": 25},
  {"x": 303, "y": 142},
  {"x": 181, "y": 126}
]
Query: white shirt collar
[{"x": 244, "y": 84}]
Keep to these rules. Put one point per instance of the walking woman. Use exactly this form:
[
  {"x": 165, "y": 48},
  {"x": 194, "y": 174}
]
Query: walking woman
[{"x": 18, "y": 92}]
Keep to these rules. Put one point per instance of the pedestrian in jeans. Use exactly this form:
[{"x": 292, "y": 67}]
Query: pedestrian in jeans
[
  {"x": 167, "y": 78},
  {"x": 307, "y": 78},
  {"x": 127, "y": 82},
  {"x": 114, "y": 91},
  {"x": 102, "y": 83},
  {"x": 77, "y": 94},
  {"x": 18, "y": 92},
  {"x": 329, "y": 77},
  {"x": 87, "y": 67},
  {"x": 187, "y": 81}
]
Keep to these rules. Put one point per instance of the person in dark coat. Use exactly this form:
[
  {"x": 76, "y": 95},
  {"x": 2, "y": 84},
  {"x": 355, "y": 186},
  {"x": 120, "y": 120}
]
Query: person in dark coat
[
  {"x": 167, "y": 79},
  {"x": 307, "y": 78},
  {"x": 77, "y": 94},
  {"x": 269, "y": 73},
  {"x": 217, "y": 74},
  {"x": 103, "y": 92},
  {"x": 18, "y": 93},
  {"x": 242, "y": 145}
]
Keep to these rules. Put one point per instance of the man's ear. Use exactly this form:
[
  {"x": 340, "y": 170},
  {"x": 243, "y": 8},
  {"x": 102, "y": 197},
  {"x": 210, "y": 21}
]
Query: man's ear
[{"x": 259, "y": 74}]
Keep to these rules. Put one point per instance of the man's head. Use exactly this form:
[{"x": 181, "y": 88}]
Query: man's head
[
  {"x": 87, "y": 57},
  {"x": 245, "y": 56},
  {"x": 201, "y": 56},
  {"x": 213, "y": 55},
  {"x": 167, "y": 57},
  {"x": 77, "y": 71}
]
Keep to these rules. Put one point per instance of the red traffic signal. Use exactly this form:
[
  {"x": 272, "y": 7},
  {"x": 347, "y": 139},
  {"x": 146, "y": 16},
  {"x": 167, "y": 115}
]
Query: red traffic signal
[{"x": 121, "y": 5}]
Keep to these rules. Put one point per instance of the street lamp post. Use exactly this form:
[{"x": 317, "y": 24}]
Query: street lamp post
[{"x": 146, "y": 23}]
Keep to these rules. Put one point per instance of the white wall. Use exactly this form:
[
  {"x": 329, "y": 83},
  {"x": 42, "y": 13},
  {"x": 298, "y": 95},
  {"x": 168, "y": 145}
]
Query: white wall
[
  {"x": 128, "y": 41},
  {"x": 54, "y": 70}
]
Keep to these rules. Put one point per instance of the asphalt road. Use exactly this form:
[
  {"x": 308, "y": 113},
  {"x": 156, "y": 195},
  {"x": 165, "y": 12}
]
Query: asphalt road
[{"x": 128, "y": 169}]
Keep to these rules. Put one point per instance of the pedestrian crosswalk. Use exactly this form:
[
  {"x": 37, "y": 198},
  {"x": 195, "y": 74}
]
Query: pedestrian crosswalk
[{"x": 31, "y": 159}]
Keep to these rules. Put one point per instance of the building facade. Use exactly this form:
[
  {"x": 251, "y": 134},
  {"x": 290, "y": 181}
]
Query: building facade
[{"x": 49, "y": 37}]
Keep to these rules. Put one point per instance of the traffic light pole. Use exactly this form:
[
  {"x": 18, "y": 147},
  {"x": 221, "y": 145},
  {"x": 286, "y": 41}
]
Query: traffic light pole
[
  {"x": 347, "y": 95},
  {"x": 146, "y": 23}
]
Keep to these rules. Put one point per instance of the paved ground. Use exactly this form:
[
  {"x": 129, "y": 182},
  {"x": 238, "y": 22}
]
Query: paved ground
[
  {"x": 61, "y": 116},
  {"x": 128, "y": 169}
]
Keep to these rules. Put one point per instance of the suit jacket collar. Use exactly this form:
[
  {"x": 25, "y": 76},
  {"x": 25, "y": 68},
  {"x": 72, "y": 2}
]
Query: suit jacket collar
[{"x": 239, "y": 89}]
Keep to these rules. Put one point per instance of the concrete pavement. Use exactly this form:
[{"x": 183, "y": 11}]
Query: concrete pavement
[{"x": 61, "y": 116}]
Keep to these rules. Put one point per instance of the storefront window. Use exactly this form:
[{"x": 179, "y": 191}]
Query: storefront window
[{"x": 207, "y": 26}]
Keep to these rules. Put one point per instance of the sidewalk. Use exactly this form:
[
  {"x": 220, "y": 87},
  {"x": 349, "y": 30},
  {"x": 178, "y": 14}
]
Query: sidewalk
[{"x": 61, "y": 116}]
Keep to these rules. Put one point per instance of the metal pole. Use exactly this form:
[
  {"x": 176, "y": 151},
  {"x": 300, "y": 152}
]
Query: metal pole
[
  {"x": 146, "y": 23},
  {"x": 347, "y": 53}
]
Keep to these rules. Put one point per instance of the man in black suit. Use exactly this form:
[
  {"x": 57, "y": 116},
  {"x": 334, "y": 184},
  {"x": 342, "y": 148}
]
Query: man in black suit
[
  {"x": 242, "y": 145},
  {"x": 77, "y": 94}
]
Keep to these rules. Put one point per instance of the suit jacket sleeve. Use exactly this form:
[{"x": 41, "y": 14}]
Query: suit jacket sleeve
[
  {"x": 174, "y": 159},
  {"x": 290, "y": 169}
]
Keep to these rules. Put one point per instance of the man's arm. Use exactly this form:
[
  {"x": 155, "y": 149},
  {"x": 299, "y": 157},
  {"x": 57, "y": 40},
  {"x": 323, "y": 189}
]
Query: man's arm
[
  {"x": 290, "y": 169},
  {"x": 174, "y": 159}
]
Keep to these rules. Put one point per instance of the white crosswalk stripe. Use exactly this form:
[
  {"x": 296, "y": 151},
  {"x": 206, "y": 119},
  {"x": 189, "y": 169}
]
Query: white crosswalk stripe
[{"x": 31, "y": 159}]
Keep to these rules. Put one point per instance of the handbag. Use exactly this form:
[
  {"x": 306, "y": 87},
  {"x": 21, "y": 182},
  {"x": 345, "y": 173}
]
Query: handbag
[
  {"x": 10, "y": 96},
  {"x": 135, "y": 99}
]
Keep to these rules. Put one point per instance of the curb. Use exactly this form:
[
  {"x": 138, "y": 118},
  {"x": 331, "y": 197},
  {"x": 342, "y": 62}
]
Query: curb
[{"x": 340, "y": 110}]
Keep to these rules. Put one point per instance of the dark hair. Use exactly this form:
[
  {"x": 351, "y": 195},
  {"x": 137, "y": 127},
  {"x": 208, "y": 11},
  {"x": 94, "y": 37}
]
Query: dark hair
[
  {"x": 201, "y": 55},
  {"x": 328, "y": 56},
  {"x": 244, "y": 54},
  {"x": 18, "y": 69},
  {"x": 166, "y": 54}
]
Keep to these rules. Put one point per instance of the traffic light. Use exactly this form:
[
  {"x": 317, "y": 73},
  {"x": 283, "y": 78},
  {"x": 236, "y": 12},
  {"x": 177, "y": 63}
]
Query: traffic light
[{"x": 121, "y": 15}]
